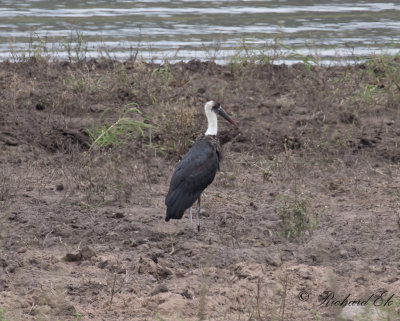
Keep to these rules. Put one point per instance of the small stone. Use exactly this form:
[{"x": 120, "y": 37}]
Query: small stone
[
  {"x": 367, "y": 142},
  {"x": 377, "y": 269},
  {"x": 130, "y": 242},
  {"x": 304, "y": 273},
  {"x": 87, "y": 253},
  {"x": 21, "y": 250},
  {"x": 98, "y": 108},
  {"x": 3, "y": 263},
  {"x": 273, "y": 259},
  {"x": 119, "y": 215},
  {"x": 187, "y": 294},
  {"x": 164, "y": 272},
  {"x": 161, "y": 288},
  {"x": 65, "y": 309},
  {"x": 71, "y": 257},
  {"x": 143, "y": 247},
  {"x": 11, "y": 141},
  {"x": 102, "y": 264}
]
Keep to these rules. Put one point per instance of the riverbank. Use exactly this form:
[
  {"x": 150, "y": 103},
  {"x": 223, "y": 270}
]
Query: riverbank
[{"x": 306, "y": 201}]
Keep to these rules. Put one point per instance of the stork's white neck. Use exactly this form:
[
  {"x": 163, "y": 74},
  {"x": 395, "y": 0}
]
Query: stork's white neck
[{"x": 212, "y": 123}]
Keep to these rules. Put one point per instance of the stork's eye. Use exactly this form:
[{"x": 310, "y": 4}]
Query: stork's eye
[{"x": 216, "y": 107}]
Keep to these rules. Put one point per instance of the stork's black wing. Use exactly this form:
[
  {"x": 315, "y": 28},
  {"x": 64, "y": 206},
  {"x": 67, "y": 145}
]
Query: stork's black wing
[{"x": 192, "y": 175}]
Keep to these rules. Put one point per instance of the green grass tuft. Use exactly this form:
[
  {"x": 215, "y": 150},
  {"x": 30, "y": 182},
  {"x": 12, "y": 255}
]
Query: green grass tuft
[
  {"x": 106, "y": 135},
  {"x": 297, "y": 216},
  {"x": 2, "y": 315}
]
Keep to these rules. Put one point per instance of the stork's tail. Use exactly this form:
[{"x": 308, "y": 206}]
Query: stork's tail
[
  {"x": 177, "y": 202},
  {"x": 175, "y": 206}
]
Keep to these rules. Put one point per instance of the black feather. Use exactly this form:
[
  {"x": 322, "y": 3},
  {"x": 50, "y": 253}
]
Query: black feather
[{"x": 193, "y": 174}]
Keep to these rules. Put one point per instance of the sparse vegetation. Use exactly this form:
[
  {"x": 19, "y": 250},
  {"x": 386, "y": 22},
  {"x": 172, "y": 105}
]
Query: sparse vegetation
[
  {"x": 391, "y": 311},
  {"x": 316, "y": 315},
  {"x": 298, "y": 218},
  {"x": 120, "y": 132},
  {"x": 77, "y": 316},
  {"x": 89, "y": 146},
  {"x": 2, "y": 315}
]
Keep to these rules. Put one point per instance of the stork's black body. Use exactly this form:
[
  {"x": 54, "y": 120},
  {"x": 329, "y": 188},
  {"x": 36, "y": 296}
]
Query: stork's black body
[
  {"x": 197, "y": 169},
  {"x": 192, "y": 175}
]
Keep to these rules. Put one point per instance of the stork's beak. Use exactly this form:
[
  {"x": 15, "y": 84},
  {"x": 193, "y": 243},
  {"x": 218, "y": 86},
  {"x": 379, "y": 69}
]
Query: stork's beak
[{"x": 225, "y": 115}]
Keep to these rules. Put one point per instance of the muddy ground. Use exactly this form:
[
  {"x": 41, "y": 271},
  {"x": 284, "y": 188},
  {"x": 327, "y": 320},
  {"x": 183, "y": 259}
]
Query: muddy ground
[{"x": 307, "y": 200}]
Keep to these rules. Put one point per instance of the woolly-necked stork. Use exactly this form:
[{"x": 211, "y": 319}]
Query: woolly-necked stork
[{"x": 197, "y": 168}]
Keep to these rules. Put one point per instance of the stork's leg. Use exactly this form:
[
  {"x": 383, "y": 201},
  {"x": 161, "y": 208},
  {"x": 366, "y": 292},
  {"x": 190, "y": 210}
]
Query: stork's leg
[
  {"x": 198, "y": 214},
  {"x": 191, "y": 215}
]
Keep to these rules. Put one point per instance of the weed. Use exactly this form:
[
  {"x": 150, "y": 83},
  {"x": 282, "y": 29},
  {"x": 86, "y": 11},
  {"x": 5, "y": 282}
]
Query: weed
[
  {"x": 390, "y": 311},
  {"x": 38, "y": 47},
  {"x": 106, "y": 135},
  {"x": 213, "y": 51},
  {"x": 333, "y": 141},
  {"x": 246, "y": 58},
  {"x": 142, "y": 83},
  {"x": 76, "y": 84},
  {"x": 158, "y": 317},
  {"x": 247, "y": 55},
  {"x": 386, "y": 70},
  {"x": 316, "y": 315},
  {"x": 396, "y": 196},
  {"x": 297, "y": 216},
  {"x": 266, "y": 170},
  {"x": 307, "y": 60},
  {"x": 366, "y": 94},
  {"x": 153, "y": 147},
  {"x": 77, "y": 316},
  {"x": 2, "y": 315},
  {"x": 116, "y": 288},
  {"x": 163, "y": 73},
  {"x": 76, "y": 47}
]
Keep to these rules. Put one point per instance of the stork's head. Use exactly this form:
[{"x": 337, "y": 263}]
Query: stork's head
[{"x": 213, "y": 109}]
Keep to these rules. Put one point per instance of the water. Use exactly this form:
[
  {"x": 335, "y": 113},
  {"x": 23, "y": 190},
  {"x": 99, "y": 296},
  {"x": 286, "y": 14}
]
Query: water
[{"x": 185, "y": 29}]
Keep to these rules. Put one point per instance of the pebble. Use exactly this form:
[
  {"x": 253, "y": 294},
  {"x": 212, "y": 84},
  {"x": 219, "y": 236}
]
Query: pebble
[
  {"x": 21, "y": 250},
  {"x": 160, "y": 288},
  {"x": 87, "y": 253},
  {"x": 273, "y": 259}
]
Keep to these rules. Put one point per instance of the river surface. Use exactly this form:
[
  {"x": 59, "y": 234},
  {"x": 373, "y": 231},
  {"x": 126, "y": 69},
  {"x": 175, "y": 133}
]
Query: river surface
[{"x": 326, "y": 30}]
